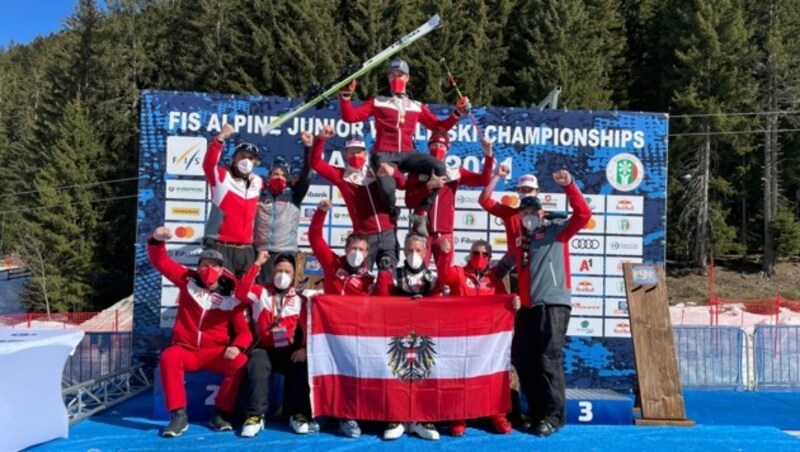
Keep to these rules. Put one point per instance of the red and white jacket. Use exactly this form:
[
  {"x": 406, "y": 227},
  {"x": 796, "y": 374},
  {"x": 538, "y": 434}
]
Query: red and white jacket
[
  {"x": 442, "y": 212},
  {"x": 360, "y": 193},
  {"x": 235, "y": 201},
  {"x": 337, "y": 280},
  {"x": 273, "y": 312},
  {"x": 465, "y": 281},
  {"x": 396, "y": 120},
  {"x": 204, "y": 317}
]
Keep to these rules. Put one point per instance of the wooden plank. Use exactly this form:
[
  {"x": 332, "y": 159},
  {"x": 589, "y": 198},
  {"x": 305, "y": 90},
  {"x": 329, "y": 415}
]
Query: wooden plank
[{"x": 660, "y": 392}]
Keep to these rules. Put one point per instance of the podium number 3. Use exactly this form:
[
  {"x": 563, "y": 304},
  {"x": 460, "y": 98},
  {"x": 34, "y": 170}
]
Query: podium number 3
[
  {"x": 586, "y": 412},
  {"x": 213, "y": 396}
]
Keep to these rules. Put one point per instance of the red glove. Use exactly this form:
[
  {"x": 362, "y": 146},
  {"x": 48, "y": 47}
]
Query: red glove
[
  {"x": 463, "y": 106},
  {"x": 348, "y": 90}
]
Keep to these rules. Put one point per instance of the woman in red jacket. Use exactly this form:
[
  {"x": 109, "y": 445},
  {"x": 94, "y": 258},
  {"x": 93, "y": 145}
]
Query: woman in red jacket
[{"x": 200, "y": 338}]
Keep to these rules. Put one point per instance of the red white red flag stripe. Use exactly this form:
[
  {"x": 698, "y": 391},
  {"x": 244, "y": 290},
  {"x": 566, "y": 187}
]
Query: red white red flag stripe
[{"x": 396, "y": 359}]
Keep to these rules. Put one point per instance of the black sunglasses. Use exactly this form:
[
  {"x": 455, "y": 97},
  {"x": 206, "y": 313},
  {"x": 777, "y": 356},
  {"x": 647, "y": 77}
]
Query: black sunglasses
[{"x": 480, "y": 253}]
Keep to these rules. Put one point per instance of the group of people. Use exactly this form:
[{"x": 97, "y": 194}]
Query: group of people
[{"x": 241, "y": 313}]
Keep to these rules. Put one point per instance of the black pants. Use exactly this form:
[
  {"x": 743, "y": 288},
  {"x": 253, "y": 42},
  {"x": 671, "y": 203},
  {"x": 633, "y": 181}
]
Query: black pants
[
  {"x": 537, "y": 354},
  {"x": 408, "y": 162},
  {"x": 237, "y": 258},
  {"x": 383, "y": 247},
  {"x": 261, "y": 363}
]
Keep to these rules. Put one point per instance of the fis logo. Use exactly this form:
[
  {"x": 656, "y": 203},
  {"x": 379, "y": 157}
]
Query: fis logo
[{"x": 185, "y": 155}]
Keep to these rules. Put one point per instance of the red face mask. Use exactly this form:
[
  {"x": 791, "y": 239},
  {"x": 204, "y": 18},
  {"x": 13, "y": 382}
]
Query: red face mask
[
  {"x": 439, "y": 153},
  {"x": 276, "y": 185},
  {"x": 479, "y": 262},
  {"x": 210, "y": 275},
  {"x": 397, "y": 85},
  {"x": 356, "y": 161}
]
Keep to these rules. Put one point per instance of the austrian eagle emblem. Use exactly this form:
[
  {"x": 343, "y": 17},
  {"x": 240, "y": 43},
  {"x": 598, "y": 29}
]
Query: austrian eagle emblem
[{"x": 411, "y": 357}]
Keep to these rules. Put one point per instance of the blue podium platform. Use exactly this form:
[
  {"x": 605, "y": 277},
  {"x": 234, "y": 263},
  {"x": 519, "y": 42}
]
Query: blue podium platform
[{"x": 598, "y": 407}]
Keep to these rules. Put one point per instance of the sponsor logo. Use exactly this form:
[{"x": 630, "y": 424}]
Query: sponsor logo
[
  {"x": 411, "y": 357},
  {"x": 184, "y": 232},
  {"x": 469, "y": 219},
  {"x": 585, "y": 244},
  {"x": 622, "y": 305},
  {"x": 590, "y": 225},
  {"x": 622, "y": 327},
  {"x": 625, "y": 204},
  {"x": 625, "y": 172},
  {"x": 586, "y": 265},
  {"x": 623, "y": 246},
  {"x": 585, "y": 286},
  {"x": 585, "y": 327},
  {"x": 309, "y": 212},
  {"x": 189, "y": 211},
  {"x": 576, "y": 305},
  {"x": 510, "y": 200},
  {"x": 500, "y": 241},
  {"x": 338, "y": 215},
  {"x": 185, "y": 155},
  {"x": 182, "y": 189},
  {"x": 624, "y": 224},
  {"x": 498, "y": 221},
  {"x": 312, "y": 264}
]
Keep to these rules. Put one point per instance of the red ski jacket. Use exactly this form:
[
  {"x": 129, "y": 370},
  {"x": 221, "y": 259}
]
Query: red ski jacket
[
  {"x": 465, "y": 281},
  {"x": 204, "y": 317},
  {"x": 337, "y": 280}
]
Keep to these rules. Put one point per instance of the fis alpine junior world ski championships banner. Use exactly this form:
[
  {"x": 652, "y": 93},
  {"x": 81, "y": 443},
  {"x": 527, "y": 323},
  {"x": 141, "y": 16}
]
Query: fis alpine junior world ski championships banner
[
  {"x": 403, "y": 360},
  {"x": 618, "y": 159}
]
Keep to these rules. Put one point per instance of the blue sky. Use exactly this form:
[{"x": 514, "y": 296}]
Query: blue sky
[{"x": 22, "y": 20}]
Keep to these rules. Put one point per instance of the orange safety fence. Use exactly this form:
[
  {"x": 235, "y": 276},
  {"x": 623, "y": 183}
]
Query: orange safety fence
[{"x": 104, "y": 321}]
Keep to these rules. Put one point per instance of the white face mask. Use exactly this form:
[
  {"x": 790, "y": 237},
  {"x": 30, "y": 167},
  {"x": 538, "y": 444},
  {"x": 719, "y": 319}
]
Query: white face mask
[
  {"x": 245, "y": 166},
  {"x": 530, "y": 222},
  {"x": 414, "y": 261},
  {"x": 282, "y": 280},
  {"x": 355, "y": 258}
]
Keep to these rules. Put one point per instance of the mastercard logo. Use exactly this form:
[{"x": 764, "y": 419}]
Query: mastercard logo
[
  {"x": 509, "y": 200},
  {"x": 184, "y": 232},
  {"x": 590, "y": 225}
]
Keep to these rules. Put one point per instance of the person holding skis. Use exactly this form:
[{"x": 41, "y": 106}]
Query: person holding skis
[
  {"x": 234, "y": 196},
  {"x": 442, "y": 212},
  {"x": 396, "y": 119}
]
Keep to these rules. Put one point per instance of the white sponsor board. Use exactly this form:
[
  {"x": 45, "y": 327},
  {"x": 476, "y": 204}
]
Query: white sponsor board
[
  {"x": 553, "y": 202},
  {"x": 583, "y": 326},
  {"x": 596, "y": 202},
  {"x": 187, "y": 189},
  {"x": 587, "y": 307},
  {"x": 633, "y": 205},
  {"x": 467, "y": 199},
  {"x": 317, "y": 193},
  {"x": 496, "y": 223},
  {"x": 169, "y": 296},
  {"x": 339, "y": 236},
  {"x": 302, "y": 236},
  {"x": 615, "y": 287},
  {"x": 185, "y": 254},
  {"x": 587, "y": 285},
  {"x": 185, "y": 155},
  {"x": 167, "y": 317},
  {"x": 617, "y": 328},
  {"x": 464, "y": 240},
  {"x": 186, "y": 232},
  {"x": 586, "y": 265},
  {"x": 614, "y": 264},
  {"x": 307, "y": 212},
  {"x": 587, "y": 244},
  {"x": 595, "y": 225},
  {"x": 473, "y": 220},
  {"x": 616, "y": 307},
  {"x": 459, "y": 258},
  {"x": 185, "y": 211},
  {"x": 624, "y": 246},
  {"x": 498, "y": 241},
  {"x": 624, "y": 225},
  {"x": 340, "y": 216}
]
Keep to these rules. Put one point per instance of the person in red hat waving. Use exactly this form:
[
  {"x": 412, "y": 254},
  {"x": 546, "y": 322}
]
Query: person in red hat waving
[
  {"x": 442, "y": 212},
  {"x": 396, "y": 119}
]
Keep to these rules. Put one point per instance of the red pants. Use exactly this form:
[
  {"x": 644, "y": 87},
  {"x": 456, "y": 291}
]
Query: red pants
[
  {"x": 176, "y": 361},
  {"x": 443, "y": 260}
]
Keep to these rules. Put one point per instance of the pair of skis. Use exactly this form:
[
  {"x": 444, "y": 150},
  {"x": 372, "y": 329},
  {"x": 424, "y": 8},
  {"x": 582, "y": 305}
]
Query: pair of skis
[{"x": 432, "y": 24}]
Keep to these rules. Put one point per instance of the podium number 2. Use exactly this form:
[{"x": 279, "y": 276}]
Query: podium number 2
[
  {"x": 213, "y": 396},
  {"x": 586, "y": 412}
]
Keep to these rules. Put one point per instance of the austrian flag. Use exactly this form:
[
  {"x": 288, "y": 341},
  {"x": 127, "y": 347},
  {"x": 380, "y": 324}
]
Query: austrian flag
[{"x": 400, "y": 360}]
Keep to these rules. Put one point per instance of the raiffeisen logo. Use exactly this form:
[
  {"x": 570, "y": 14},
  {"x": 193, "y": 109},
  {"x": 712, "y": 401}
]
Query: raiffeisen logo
[
  {"x": 469, "y": 219},
  {"x": 185, "y": 155}
]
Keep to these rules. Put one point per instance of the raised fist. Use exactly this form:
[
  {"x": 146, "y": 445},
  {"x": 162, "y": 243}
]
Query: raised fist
[
  {"x": 307, "y": 138},
  {"x": 324, "y": 205},
  {"x": 562, "y": 177},
  {"x": 227, "y": 130},
  {"x": 326, "y": 132},
  {"x": 463, "y": 106},
  {"x": 386, "y": 169},
  {"x": 162, "y": 234},
  {"x": 503, "y": 171},
  {"x": 350, "y": 87},
  {"x": 263, "y": 257}
]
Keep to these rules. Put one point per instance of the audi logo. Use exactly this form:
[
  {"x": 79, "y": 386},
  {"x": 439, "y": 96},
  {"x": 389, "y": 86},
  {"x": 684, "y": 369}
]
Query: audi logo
[{"x": 585, "y": 244}]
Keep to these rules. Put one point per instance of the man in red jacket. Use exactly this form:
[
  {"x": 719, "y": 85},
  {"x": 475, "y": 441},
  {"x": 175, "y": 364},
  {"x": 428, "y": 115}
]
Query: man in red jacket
[
  {"x": 234, "y": 196},
  {"x": 207, "y": 308},
  {"x": 357, "y": 184},
  {"x": 343, "y": 275},
  {"x": 396, "y": 119},
  {"x": 279, "y": 313},
  {"x": 474, "y": 280},
  {"x": 442, "y": 213}
]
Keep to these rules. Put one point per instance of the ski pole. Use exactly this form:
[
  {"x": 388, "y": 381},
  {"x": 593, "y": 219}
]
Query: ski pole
[{"x": 452, "y": 81}]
